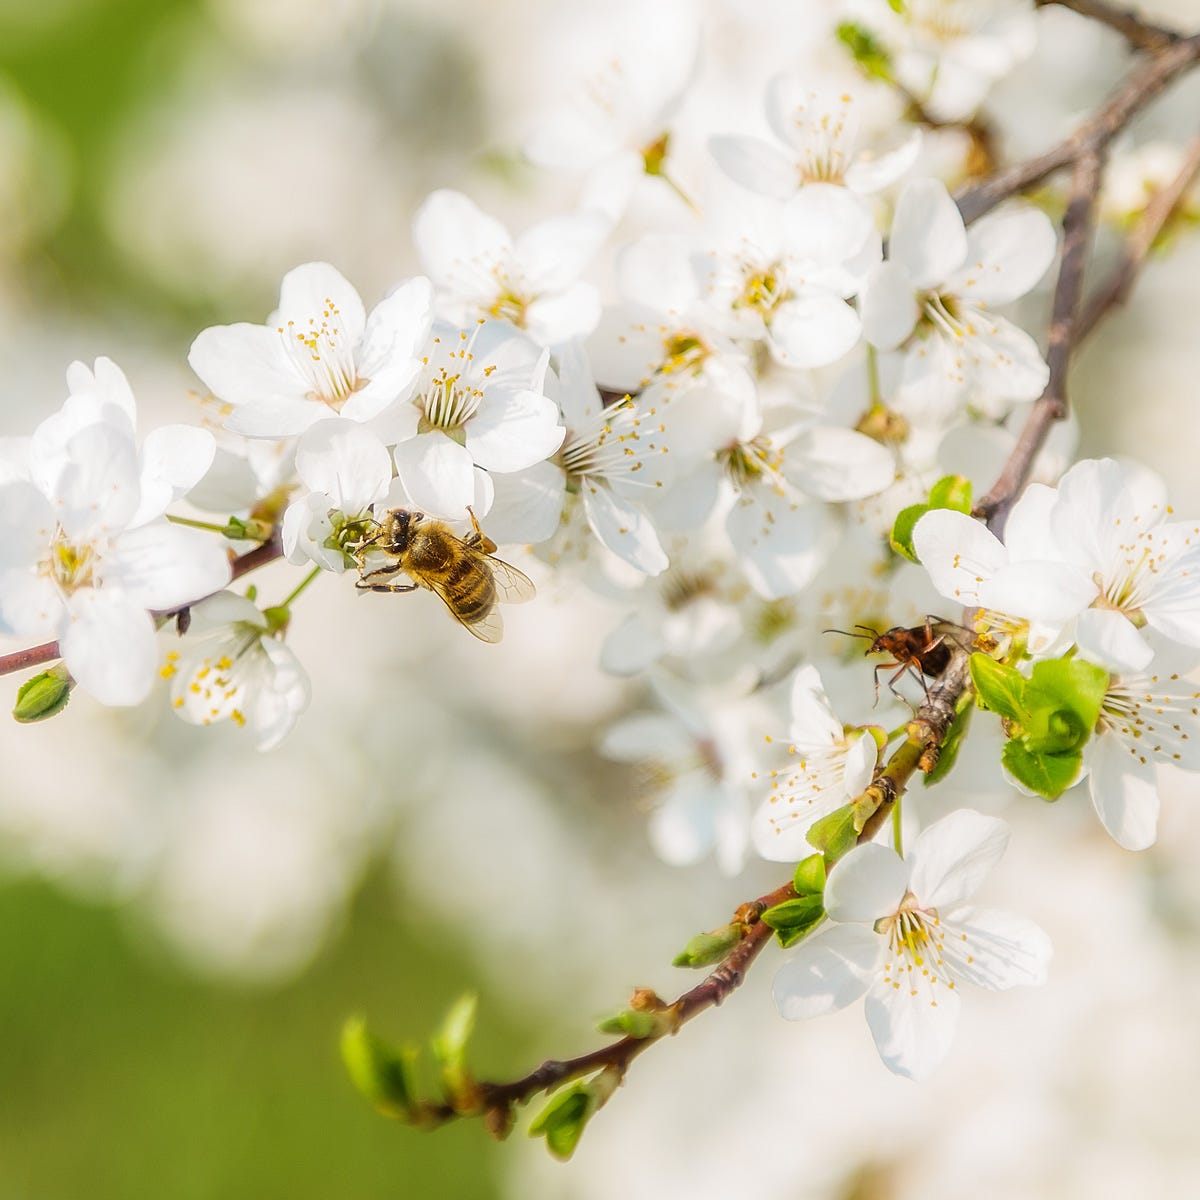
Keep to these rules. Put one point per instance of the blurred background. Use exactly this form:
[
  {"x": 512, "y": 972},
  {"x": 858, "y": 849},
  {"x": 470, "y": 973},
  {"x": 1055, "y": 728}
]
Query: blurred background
[{"x": 186, "y": 923}]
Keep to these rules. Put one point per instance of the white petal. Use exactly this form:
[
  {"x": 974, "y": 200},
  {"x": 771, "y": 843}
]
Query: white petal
[
  {"x": 683, "y": 827},
  {"x": 928, "y": 236},
  {"x": 827, "y": 972},
  {"x": 459, "y": 245},
  {"x": 861, "y": 760},
  {"x": 1008, "y": 252},
  {"x": 161, "y": 566},
  {"x": 834, "y": 465},
  {"x": 1028, "y": 532},
  {"x": 514, "y": 430},
  {"x": 1107, "y": 638},
  {"x": 870, "y": 175},
  {"x": 346, "y": 462},
  {"x": 438, "y": 474},
  {"x": 107, "y": 382},
  {"x": 280, "y": 695},
  {"x": 99, "y": 487},
  {"x": 959, "y": 553},
  {"x": 913, "y": 1027},
  {"x": 813, "y": 330},
  {"x": 951, "y": 857},
  {"x": 31, "y": 606},
  {"x": 109, "y": 647},
  {"x": 26, "y": 524},
  {"x": 527, "y": 505},
  {"x": 277, "y": 418},
  {"x": 999, "y": 950},
  {"x": 554, "y": 253},
  {"x": 813, "y": 724},
  {"x": 318, "y": 291},
  {"x": 756, "y": 165},
  {"x": 826, "y": 224},
  {"x": 1124, "y": 792},
  {"x": 394, "y": 339},
  {"x": 1003, "y": 360},
  {"x": 781, "y": 544},
  {"x": 889, "y": 306},
  {"x": 174, "y": 459},
  {"x": 1042, "y": 591},
  {"x": 243, "y": 364},
  {"x": 560, "y": 316},
  {"x": 632, "y": 647},
  {"x": 867, "y": 884},
  {"x": 656, "y": 270},
  {"x": 624, "y": 528}
]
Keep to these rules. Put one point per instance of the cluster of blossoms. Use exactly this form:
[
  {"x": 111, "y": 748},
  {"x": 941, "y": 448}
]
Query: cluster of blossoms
[{"x": 719, "y": 447}]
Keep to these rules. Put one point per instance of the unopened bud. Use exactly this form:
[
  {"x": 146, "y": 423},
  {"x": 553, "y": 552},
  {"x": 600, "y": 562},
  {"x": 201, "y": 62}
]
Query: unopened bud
[{"x": 44, "y": 695}]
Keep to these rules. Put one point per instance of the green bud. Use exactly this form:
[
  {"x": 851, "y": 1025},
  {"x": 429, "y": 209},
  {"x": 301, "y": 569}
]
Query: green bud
[
  {"x": 44, "y": 695},
  {"x": 655, "y": 155},
  {"x": 705, "y": 949},
  {"x": 629, "y": 1022},
  {"x": 562, "y": 1121},
  {"x": 951, "y": 491},
  {"x": 449, "y": 1045},
  {"x": 383, "y": 1074},
  {"x": 252, "y": 530},
  {"x": 902, "y": 530}
]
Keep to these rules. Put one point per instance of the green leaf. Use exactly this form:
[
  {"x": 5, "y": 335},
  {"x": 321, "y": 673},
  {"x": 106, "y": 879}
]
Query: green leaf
[
  {"x": 1069, "y": 683},
  {"x": 834, "y": 835},
  {"x": 705, "y": 949},
  {"x": 866, "y": 49},
  {"x": 1048, "y": 775},
  {"x": 44, "y": 695},
  {"x": 951, "y": 491},
  {"x": 951, "y": 744},
  {"x": 561, "y": 1122},
  {"x": 795, "y": 919},
  {"x": 809, "y": 879},
  {"x": 449, "y": 1044},
  {"x": 999, "y": 687},
  {"x": 633, "y": 1023},
  {"x": 902, "y": 530},
  {"x": 383, "y": 1074}
]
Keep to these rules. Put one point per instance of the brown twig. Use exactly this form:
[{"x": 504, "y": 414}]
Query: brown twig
[
  {"x": 1139, "y": 88},
  {"x": 35, "y": 656},
  {"x": 1138, "y": 244},
  {"x": 1064, "y": 335},
  {"x": 1140, "y": 34}
]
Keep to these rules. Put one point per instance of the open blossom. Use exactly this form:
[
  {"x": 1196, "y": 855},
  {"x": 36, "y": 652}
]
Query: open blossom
[
  {"x": 820, "y": 135},
  {"x": 949, "y": 53},
  {"x": 1149, "y": 718},
  {"x": 479, "y": 270},
  {"x": 610, "y": 458},
  {"x": 347, "y": 469},
  {"x": 825, "y": 767},
  {"x": 933, "y": 299},
  {"x": 901, "y": 937},
  {"x": 236, "y": 667},
  {"x": 319, "y": 356},
  {"x": 85, "y": 555}
]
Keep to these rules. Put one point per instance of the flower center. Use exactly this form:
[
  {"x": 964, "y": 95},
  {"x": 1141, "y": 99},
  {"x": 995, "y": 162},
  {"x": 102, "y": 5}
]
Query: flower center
[
  {"x": 947, "y": 315},
  {"x": 323, "y": 355},
  {"x": 614, "y": 443},
  {"x": 449, "y": 396},
  {"x": 69, "y": 565},
  {"x": 511, "y": 304},
  {"x": 916, "y": 944},
  {"x": 683, "y": 351},
  {"x": 745, "y": 461},
  {"x": 941, "y": 20},
  {"x": 763, "y": 290}
]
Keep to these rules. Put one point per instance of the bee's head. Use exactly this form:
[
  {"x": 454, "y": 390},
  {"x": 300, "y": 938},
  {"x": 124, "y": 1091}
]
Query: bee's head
[{"x": 398, "y": 526}]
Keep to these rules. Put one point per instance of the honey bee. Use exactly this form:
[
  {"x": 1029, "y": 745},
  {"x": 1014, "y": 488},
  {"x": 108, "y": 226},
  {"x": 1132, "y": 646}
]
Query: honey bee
[{"x": 460, "y": 570}]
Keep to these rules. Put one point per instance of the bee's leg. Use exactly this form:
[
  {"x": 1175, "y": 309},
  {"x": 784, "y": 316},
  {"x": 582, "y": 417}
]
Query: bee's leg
[
  {"x": 363, "y": 586},
  {"x": 384, "y": 572},
  {"x": 479, "y": 538}
]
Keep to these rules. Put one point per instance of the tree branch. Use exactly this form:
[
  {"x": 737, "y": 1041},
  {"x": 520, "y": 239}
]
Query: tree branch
[
  {"x": 1163, "y": 204},
  {"x": 1140, "y": 34},
  {"x": 1139, "y": 88}
]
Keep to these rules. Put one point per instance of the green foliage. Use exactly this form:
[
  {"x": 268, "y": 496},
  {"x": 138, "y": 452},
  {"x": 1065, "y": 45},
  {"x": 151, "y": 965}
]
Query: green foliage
[
  {"x": 705, "y": 949},
  {"x": 1048, "y": 717},
  {"x": 809, "y": 877},
  {"x": 866, "y": 50},
  {"x": 449, "y": 1045},
  {"x": 951, "y": 491},
  {"x": 385, "y": 1075},
  {"x": 43, "y": 696},
  {"x": 795, "y": 919},
  {"x": 834, "y": 835},
  {"x": 562, "y": 1121},
  {"x": 635, "y": 1023}
]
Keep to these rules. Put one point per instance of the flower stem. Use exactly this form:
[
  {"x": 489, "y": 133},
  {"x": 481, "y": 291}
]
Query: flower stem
[
  {"x": 897, "y": 835},
  {"x": 286, "y": 603},
  {"x": 191, "y": 524}
]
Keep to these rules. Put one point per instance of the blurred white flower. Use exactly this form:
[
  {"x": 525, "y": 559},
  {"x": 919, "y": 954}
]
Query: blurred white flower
[
  {"x": 320, "y": 356},
  {"x": 820, "y": 132},
  {"x": 893, "y": 940},
  {"x": 933, "y": 295},
  {"x": 236, "y": 667},
  {"x": 532, "y": 281}
]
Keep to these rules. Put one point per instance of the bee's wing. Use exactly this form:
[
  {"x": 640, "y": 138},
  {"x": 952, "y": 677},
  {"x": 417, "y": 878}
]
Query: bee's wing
[
  {"x": 489, "y": 627},
  {"x": 512, "y": 586}
]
